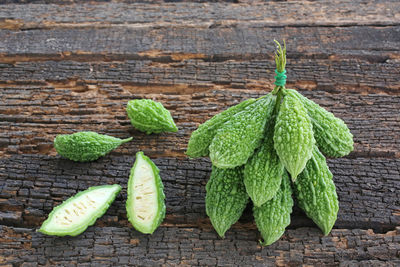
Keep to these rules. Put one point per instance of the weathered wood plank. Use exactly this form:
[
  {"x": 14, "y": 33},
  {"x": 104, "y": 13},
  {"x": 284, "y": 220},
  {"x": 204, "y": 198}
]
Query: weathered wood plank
[
  {"x": 368, "y": 190},
  {"x": 215, "y": 43},
  {"x": 271, "y": 13},
  {"x": 332, "y": 74},
  {"x": 171, "y": 246},
  {"x": 31, "y": 116}
]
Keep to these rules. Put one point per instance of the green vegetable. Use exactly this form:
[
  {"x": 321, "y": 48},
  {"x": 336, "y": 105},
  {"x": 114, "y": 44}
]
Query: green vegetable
[
  {"x": 237, "y": 139},
  {"x": 332, "y": 135},
  {"x": 293, "y": 137},
  {"x": 86, "y": 146},
  {"x": 201, "y": 139},
  {"x": 263, "y": 172},
  {"x": 274, "y": 215},
  {"x": 79, "y": 212},
  {"x": 145, "y": 205},
  {"x": 226, "y": 198},
  {"x": 150, "y": 116},
  {"x": 316, "y": 192}
]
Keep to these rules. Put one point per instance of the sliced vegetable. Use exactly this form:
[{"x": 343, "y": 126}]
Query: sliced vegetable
[
  {"x": 77, "y": 213},
  {"x": 145, "y": 205}
]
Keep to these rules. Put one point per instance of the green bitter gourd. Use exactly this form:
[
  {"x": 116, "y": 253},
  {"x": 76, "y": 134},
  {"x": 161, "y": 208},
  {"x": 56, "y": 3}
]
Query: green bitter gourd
[
  {"x": 293, "y": 137},
  {"x": 263, "y": 172},
  {"x": 226, "y": 198},
  {"x": 316, "y": 192},
  {"x": 150, "y": 116},
  {"x": 274, "y": 215},
  {"x": 237, "y": 139},
  {"x": 145, "y": 204},
  {"x": 79, "y": 212},
  {"x": 86, "y": 146},
  {"x": 201, "y": 138},
  {"x": 331, "y": 134}
]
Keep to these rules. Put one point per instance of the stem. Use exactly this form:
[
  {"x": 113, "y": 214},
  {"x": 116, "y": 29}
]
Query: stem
[
  {"x": 280, "y": 56},
  {"x": 280, "y": 61}
]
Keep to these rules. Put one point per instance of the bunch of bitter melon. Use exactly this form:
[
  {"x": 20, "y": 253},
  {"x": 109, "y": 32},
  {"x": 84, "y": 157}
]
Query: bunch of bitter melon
[{"x": 265, "y": 149}]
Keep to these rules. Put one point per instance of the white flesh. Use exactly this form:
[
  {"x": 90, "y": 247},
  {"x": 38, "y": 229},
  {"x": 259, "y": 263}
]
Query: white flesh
[
  {"x": 145, "y": 205},
  {"x": 80, "y": 209}
]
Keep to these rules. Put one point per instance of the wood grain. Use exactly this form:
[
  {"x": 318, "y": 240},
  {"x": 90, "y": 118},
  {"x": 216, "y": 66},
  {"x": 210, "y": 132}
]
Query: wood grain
[
  {"x": 172, "y": 246},
  {"x": 185, "y": 76},
  {"x": 217, "y": 43},
  {"x": 275, "y": 13}
]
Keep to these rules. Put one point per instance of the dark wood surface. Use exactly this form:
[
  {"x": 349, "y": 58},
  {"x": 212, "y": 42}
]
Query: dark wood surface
[{"x": 73, "y": 66}]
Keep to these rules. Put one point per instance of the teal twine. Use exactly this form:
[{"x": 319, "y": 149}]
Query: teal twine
[{"x": 280, "y": 78}]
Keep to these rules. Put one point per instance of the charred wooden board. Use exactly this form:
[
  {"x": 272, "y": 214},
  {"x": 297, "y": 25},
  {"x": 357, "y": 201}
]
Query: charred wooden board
[
  {"x": 186, "y": 246},
  {"x": 67, "y": 68},
  {"x": 275, "y": 13}
]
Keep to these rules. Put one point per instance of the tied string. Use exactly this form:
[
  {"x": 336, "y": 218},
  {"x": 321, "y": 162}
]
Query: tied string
[{"x": 280, "y": 78}]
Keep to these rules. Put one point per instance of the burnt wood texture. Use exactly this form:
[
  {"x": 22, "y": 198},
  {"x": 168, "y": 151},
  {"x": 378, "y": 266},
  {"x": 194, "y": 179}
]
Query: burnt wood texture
[{"x": 70, "y": 66}]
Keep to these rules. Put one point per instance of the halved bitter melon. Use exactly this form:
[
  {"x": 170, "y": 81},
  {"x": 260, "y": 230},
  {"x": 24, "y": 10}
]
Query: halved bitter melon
[
  {"x": 145, "y": 205},
  {"x": 79, "y": 212}
]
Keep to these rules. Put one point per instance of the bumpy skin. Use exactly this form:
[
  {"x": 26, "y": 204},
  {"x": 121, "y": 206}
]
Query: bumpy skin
[
  {"x": 263, "y": 172},
  {"x": 316, "y": 192},
  {"x": 274, "y": 216},
  {"x": 237, "y": 139},
  {"x": 293, "y": 137},
  {"x": 160, "y": 197},
  {"x": 332, "y": 135},
  {"x": 150, "y": 116},
  {"x": 226, "y": 198},
  {"x": 83, "y": 225},
  {"x": 201, "y": 139},
  {"x": 86, "y": 146}
]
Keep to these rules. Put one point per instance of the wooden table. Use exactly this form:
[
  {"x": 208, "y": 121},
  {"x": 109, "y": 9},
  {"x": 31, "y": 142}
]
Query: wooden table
[{"x": 67, "y": 68}]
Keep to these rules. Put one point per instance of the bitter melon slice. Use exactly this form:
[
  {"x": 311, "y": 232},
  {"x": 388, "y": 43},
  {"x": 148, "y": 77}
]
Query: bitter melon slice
[
  {"x": 145, "y": 204},
  {"x": 77, "y": 213}
]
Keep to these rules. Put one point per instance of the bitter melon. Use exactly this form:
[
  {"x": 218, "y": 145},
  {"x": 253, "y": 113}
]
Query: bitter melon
[
  {"x": 201, "y": 139},
  {"x": 293, "y": 137},
  {"x": 237, "y": 139},
  {"x": 226, "y": 198},
  {"x": 332, "y": 135},
  {"x": 274, "y": 215},
  {"x": 145, "y": 204},
  {"x": 86, "y": 146},
  {"x": 263, "y": 172},
  {"x": 79, "y": 212},
  {"x": 150, "y": 116},
  {"x": 316, "y": 192}
]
